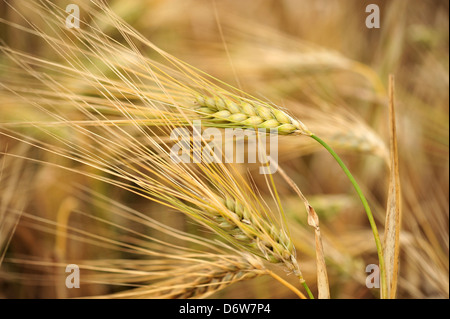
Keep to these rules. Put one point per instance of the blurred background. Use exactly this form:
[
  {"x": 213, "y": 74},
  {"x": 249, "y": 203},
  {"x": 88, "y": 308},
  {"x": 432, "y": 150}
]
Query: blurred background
[{"x": 318, "y": 60}]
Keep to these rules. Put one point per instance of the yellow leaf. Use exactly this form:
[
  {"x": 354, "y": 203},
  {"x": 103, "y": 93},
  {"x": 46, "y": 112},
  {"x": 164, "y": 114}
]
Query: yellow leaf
[{"x": 393, "y": 210}]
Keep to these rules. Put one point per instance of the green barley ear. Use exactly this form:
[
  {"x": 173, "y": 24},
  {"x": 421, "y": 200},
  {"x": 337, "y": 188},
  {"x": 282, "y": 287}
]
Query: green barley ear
[
  {"x": 247, "y": 114},
  {"x": 257, "y": 234},
  {"x": 240, "y": 224}
]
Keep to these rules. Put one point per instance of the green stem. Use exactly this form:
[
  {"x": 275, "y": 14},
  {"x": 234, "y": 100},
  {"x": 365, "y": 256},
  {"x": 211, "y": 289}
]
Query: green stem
[
  {"x": 308, "y": 291},
  {"x": 368, "y": 212}
]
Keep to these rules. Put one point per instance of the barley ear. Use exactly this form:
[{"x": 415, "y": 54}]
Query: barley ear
[{"x": 248, "y": 114}]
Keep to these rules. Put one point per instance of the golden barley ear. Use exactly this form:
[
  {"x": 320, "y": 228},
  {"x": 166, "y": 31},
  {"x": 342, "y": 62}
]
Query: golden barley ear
[{"x": 198, "y": 280}]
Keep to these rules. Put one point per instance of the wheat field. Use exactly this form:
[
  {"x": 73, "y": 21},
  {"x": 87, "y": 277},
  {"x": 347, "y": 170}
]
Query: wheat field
[{"x": 88, "y": 175}]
